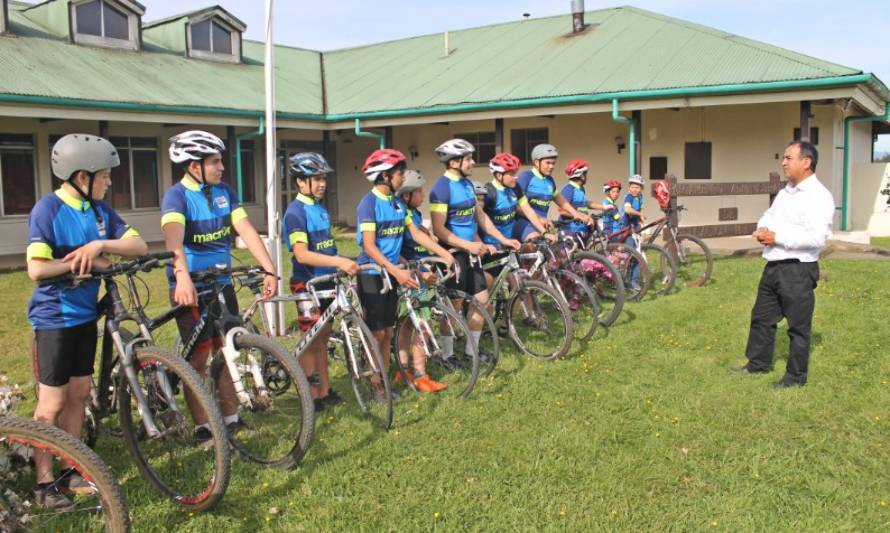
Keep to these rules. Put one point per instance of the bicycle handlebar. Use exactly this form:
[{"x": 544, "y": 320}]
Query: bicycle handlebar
[{"x": 145, "y": 263}]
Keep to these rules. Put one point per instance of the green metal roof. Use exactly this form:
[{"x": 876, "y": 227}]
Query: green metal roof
[{"x": 625, "y": 52}]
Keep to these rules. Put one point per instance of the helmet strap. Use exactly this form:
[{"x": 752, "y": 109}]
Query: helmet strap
[{"x": 87, "y": 196}]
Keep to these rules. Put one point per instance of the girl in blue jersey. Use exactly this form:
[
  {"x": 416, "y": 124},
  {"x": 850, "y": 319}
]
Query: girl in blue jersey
[
  {"x": 71, "y": 230},
  {"x": 538, "y": 187},
  {"x": 615, "y": 221},
  {"x": 574, "y": 193},
  {"x": 307, "y": 234},
  {"x": 383, "y": 220}
]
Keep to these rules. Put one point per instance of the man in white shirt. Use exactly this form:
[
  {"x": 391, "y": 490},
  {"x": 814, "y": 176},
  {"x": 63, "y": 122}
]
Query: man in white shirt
[{"x": 793, "y": 232}]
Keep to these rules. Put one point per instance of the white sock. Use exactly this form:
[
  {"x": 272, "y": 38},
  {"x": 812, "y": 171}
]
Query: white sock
[
  {"x": 205, "y": 426},
  {"x": 447, "y": 344},
  {"x": 231, "y": 419},
  {"x": 474, "y": 336}
]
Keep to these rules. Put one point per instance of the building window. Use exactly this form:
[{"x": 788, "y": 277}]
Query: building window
[
  {"x": 248, "y": 176},
  {"x": 4, "y": 16},
  {"x": 880, "y": 146},
  {"x": 211, "y": 39},
  {"x": 698, "y": 161},
  {"x": 814, "y": 135},
  {"x": 17, "y": 174},
  {"x": 522, "y": 142},
  {"x": 105, "y": 23},
  {"x": 658, "y": 168},
  {"x": 484, "y": 143},
  {"x": 134, "y": 184}
]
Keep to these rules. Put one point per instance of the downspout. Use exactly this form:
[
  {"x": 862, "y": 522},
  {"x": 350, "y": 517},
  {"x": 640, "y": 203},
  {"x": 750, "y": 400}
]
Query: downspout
[
  {"x": 845, "y": 184},
  {"x": 632, "y": 136},
  {"x": 360, "y": 133},
  {"x": 261, "y": 130}
]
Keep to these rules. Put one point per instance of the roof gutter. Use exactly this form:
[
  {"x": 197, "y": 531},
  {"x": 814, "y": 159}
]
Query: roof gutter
[
  {"x": 360, "y": 133},
  {"x": 713, "y": 90},
  {"x": 632, "y": 152},
  {"x": 845, "y": 184}
]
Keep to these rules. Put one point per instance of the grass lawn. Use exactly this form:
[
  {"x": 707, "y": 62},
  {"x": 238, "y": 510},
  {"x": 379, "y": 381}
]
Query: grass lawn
[
  {"x": 643, "y": 429},
  {"x": 883, "y": 242}
]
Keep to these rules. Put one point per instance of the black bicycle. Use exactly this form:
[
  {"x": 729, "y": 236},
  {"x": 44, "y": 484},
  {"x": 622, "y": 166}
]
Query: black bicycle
[{"x": 150, "y": 389}]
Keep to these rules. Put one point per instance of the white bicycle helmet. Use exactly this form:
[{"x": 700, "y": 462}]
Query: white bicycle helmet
[
  {"x": 636, "y": 178},
  {"x": 413, "y": 181},
  {"x": 194, "y": 145},
  {"x": 454, "y": 149},
  {"x": 544, "y": 151}
]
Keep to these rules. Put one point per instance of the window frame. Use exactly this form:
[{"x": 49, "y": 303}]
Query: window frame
[
  {"x": 473, "y": 138},
  {"x": 234, "y": 36},
  {"x": 134, "y": 42},
  {"x": 130, "y": 149},
  {"x": 686, "y": 158},
  {"x": 4, "y": 16},
  {"x": 33, "y": 149},
  {"x": 525, "y": 154}
]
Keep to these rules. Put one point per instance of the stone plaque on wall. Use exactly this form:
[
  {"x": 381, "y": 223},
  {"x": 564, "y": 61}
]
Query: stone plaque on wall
[{"x": 725, "y": 214}]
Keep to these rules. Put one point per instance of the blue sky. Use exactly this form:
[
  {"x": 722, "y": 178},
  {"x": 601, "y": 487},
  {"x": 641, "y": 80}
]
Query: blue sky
[{"x": 854, "y": 33}]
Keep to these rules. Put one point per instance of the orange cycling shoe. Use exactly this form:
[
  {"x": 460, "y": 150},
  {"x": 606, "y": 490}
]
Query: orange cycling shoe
[
  {"x": 425, "y": 384},
  {"x": 400, "y": 377}
]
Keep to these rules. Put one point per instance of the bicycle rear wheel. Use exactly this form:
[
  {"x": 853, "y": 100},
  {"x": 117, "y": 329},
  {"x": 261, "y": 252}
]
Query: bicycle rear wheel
[
  {"x": 695, "y": 261},
  {"x": 605, "y": 280},
  {"x": 103, "y": 510},
  {"x": 582, "y": 303},
  {"x": 193, "y": 474},
  {"x": 365, "y": 368},
  {"x": 626, "y": 259},
  {"x": 662, "y": 268},
  {"x": 489, "y": 342},
  {"x": 539, "y": 321},
  {"x": 279, "y": 422}
]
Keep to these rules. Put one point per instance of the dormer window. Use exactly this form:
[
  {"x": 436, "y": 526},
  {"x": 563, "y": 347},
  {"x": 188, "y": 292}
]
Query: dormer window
[
  {"x": 215, "y": 38},
  {"x": 4, "y": 16},
  {"x": 110, "y": 23}
]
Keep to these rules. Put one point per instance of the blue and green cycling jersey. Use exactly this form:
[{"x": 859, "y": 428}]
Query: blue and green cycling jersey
[
  {"x": 454, "y": 195},
  {"x": 574, "y": 193},
  {"x": 613, "y": 219},
  {"x": 501, "y": 204},
  {"x": 634, "y": 202},
  {"x": 411, "y": 250},
  {"x": 58, "y": 225},
  {"x": 388, "y": 218},
  {"x": 539, "y": 190},
  {"x": 306, "y": 221},
  {"x": 209, "y": 213}
]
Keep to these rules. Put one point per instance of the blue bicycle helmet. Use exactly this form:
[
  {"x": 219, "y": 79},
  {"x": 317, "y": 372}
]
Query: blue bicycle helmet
[{"x": 307, "y": 164}]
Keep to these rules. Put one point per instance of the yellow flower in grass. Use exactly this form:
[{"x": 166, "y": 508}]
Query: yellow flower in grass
[{"x": 437, "y": 515}]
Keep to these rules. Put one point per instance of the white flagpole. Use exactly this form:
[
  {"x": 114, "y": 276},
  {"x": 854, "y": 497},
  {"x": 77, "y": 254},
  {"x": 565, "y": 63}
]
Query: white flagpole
[{"x": 275, "y": 312}]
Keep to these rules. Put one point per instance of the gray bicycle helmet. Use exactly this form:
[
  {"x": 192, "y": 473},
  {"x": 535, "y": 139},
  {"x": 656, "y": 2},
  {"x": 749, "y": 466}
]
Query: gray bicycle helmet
[
  {"x": 480, "y": 189},
  {"x": 636, "y": 178},
  {"x": 309, "y": 164},
  {"x": 454, "y": 149},
  {"x": 544, "y": 151},
  {"x": 80, "y": 151},
  {"x": 413, "y": 181}
]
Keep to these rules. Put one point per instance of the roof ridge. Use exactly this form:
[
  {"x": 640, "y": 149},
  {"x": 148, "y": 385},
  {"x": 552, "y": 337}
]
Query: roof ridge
[{"x": 786, "y": 53}]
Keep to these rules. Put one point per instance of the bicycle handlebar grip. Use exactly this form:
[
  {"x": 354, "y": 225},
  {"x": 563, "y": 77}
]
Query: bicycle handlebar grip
[
  {"x": 321, "y": 279},
  {"x": 61, "y": 278}
]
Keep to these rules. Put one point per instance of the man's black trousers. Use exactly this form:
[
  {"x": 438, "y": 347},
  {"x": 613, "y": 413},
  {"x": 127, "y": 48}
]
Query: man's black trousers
[{"x": 786, "y": 290}]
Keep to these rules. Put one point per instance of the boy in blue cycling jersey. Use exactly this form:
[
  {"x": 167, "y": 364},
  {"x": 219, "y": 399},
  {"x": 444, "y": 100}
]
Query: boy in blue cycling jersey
[
  {"x": 199, "y": 214},
  {"x": 633, "y": 202},
  {"x": 539, "y": 188},
  {"x": 574, "y": 193},
  {"x": 456, "y": 220},
  {"x": 307, "y": 234},
  {"x": 383, "y": 221},
  {"x": 71, "y": 230},
  {"x": 613, "y": 215}
]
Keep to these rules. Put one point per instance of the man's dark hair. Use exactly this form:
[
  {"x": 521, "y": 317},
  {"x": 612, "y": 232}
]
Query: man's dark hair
[{"x": 808, "y": 151}]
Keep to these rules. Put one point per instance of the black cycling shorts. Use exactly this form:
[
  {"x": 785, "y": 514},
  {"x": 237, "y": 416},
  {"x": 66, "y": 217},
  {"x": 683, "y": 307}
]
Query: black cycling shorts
[
  {"x": 64, "y": 353},
  {"x": 187, "y": 321},
  {"x": 472, "y": 278},
  {"x": 380, "y": 309}
]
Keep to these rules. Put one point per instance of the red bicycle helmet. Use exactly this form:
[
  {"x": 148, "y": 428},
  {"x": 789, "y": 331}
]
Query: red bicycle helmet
[
  {"x": 611, "y": 184},
  {"x": 504, "y": 163},
  {"x": 663, "y": 194},
  {"x": 380, "y": 160},
  {"x": 576, "y": 168}
]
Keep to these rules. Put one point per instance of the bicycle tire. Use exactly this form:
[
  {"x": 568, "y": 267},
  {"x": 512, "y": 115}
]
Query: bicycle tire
[
  {"x": 606, "y": 282},
  {"x": 624, "y": 266},
  {"x": 583, "y": 327},
  {"x": 664, "y": 274},
  {"x": 537, "y": 324},
  {"x": 462, "y": 376},
  {"x": 685, "y": 263},
  {"x": 372, "y": 405},
  {"x": 209, "y": 493},
  {"x": 490, "y": 341},
  {"x": 113, "y": 503},
  {"x": 266, "y": 416}
]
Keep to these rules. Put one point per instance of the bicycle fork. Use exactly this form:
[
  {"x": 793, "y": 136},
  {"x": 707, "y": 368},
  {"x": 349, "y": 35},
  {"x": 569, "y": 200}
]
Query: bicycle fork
[{"x": 230, "y": 355}]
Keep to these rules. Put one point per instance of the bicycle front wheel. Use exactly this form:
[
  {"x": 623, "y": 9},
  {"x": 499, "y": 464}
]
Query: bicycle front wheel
[
  {"x": 694, "y": 260},
  {"x": 489, "y": 342},
  {"x": 632, "y": 267},
  {"x": 605, "y": 280},
  {"x": 192, "y": 472},
  {"x": 366, "y": 371},
  {"x": 539, "y": 321},
  {"x": 662, "y": 268},
  {"x": 103, "y": 509},
  {"x": 278, "y": 422},
  {"x": 582, "y": 303}
]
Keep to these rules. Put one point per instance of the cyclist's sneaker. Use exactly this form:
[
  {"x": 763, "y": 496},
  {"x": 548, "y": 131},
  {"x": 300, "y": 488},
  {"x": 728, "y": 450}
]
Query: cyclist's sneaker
[
  {"x": 502, "y": 330},
  {"x": 203, "y": 436},
  {"x": 485, "y": 358},
  {"x": 236, "y": 426},
  {"x": 398, "y": 378},
  {"x": 425, "y": 384},
  {"x": 451, "y": 363},
  {"x": 319, "y": 404},
  {"x": 332, "y": 398},
  {"x": 48, "y": 495},
  {"x": 71, "y": 481}
]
